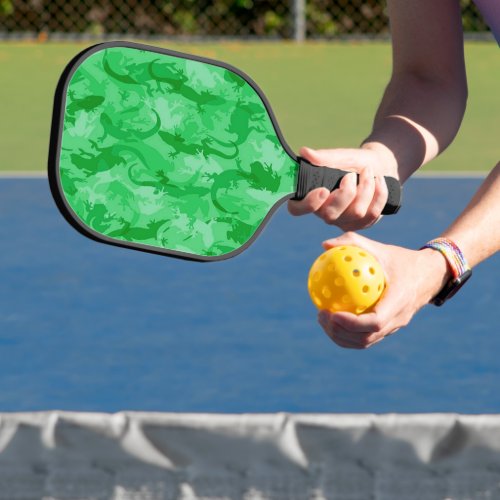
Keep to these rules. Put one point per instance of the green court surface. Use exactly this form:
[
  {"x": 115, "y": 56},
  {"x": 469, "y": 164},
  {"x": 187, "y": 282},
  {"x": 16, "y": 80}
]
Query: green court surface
[{"x": 323, "y": 94}]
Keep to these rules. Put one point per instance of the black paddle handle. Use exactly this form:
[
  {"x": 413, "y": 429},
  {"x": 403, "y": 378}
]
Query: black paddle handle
[{"x": 312, "y": 177}]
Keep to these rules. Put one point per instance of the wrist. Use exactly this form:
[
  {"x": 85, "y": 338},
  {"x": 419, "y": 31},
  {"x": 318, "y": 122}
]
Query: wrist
[
  {"x": 386, "y": 156},
  {"x": 437, "y": 272}
]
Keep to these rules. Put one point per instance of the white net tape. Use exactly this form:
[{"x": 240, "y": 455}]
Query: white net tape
[{"x": 160, "y": 456}]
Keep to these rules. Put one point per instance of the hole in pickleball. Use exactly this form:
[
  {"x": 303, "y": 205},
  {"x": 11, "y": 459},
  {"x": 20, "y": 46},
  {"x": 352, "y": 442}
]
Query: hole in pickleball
[
  {"x": 372, "y": 270},
  {"x": 362, "y": 254},
  {"x": 327, "y": 293},
  {"x": 360, "y": 309},
  {"x": 346, "y": 299},
  {"x": 366, "y": 289},
  {"x": 317, "y": 276},
  {"x": 356, "y": 273},
  {"x": 339, "y": 281},
  {"x": 348, "y": 258},
  {"x": 336, "y": 306},
  {"x": 330, "y": 268},
  {"x": 379, "y": 287}
]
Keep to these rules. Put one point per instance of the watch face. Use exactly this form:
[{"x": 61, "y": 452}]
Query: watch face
[{"x": 451, "y": 288}]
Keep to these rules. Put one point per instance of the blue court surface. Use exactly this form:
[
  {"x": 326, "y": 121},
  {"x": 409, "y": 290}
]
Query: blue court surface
[{"x": 91, "y": 327}]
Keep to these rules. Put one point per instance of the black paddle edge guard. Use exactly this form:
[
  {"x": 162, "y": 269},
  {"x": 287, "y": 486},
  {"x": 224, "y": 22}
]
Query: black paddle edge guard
[
  {"x": 53, "y": 168},
  {"x": 312, "y": 177}
]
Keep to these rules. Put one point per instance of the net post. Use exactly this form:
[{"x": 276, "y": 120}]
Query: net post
[{"x": 299, "y": 20}]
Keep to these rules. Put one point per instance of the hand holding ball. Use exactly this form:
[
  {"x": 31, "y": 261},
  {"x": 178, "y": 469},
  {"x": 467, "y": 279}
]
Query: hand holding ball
[{"x": 346, "y": 278}]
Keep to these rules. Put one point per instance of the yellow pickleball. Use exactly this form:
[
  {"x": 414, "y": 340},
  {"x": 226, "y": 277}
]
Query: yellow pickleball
[{"x": 346, "y": 278}]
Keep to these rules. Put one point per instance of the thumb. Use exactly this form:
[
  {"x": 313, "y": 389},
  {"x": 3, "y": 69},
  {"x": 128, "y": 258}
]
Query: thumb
[
  {"x": 339, "y": 157},
  {"x": 349, "y": 238}
]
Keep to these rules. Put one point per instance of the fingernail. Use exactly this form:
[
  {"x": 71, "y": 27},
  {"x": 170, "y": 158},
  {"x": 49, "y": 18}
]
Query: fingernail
[{"x": 324, "y": 194}]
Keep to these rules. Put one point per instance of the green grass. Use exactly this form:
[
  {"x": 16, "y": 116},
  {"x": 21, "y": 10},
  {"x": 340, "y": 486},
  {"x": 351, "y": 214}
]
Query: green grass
[{"x": 323, "y": 94}]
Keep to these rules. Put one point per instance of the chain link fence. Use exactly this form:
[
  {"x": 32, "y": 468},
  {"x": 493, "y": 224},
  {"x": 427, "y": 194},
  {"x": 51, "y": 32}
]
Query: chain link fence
[{"x": 284, "y": 19}]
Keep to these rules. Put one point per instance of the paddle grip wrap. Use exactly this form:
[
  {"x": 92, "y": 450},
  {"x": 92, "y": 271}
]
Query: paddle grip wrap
[{"x": 312, "y": 177}]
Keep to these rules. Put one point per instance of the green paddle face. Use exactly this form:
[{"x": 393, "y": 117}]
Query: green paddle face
[{"x": 165, "y": 152}]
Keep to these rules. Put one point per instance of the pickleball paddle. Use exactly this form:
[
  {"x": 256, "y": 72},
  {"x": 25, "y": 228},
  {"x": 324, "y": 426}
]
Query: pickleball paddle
[{"x": 172, "y": 153}]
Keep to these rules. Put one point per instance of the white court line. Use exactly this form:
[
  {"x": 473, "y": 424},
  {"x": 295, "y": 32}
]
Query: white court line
[
  {"x": 22, "y": 174},
  {"x": 454, "y": 174}
]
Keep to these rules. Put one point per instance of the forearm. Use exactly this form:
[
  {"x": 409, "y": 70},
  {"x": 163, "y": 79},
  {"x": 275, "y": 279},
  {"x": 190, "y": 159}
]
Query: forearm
[
  {"x": 416, "y": 120},
  {"x": 477, "y": 230},
  {"x": 424, "y": 103}
]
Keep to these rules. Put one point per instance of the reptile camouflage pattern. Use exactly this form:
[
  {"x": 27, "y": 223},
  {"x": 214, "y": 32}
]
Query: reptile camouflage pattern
[{"x": 169, "y": 153}]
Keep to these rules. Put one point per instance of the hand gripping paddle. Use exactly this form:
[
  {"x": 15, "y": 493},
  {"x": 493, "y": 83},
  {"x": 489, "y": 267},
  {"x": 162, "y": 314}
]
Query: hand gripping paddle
[{"x": 172, "y": 153}]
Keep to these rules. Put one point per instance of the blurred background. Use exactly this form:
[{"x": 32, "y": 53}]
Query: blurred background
[
  {"x": 283, "y": 19},
  {"x": 324, "y": 90}
]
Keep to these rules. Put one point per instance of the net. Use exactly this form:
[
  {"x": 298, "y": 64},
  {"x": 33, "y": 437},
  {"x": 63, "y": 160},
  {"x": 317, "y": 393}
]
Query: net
[{"x": 159, "y": 456}]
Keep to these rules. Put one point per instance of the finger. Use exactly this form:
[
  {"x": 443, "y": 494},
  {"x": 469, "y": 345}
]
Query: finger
[
  {"x": 338, "y": 334},
  {"x": 338, "y": 201},
  {"x": 378, "y": 323},
  {"x": 343, "y": 343},
  {"x": 362, "y": 340},
  {"x": 348, "y": 238},
  {"x": 348, "y": 338},
  {"x": 362, "y": 324},
  {"x": 311, "y": 203},
  {"x": 365, "y": 191},
  {"x": 351, "y": 340},
  {"x": 380, "y": 196},
  {"x": 341, "y": 340},
  {"x": 338, "y": 157}
]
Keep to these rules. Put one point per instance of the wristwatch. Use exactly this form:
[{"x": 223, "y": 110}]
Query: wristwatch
[{"x": 460, "y": 270}]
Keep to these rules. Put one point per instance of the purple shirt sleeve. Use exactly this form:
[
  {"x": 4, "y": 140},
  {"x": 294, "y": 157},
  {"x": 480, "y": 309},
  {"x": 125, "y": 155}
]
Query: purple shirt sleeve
[{"x": 490, "y": 9}]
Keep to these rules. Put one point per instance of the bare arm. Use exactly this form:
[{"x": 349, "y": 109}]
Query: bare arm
[
  {"x": 418, "y": 117},
  {"x": 424, "y": 102},
  {"x": 477, "y": 229}
]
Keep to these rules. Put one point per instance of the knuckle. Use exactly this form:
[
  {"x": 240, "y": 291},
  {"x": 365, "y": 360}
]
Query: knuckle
[
  {"x": 330, "y": 219},
  {"x": 378, "y": 325},
  {"x": 349, "y": 190},
  {"x": 359, "y": 212},
  {"x": 373, "y": 213},
  {"x": 329, "y": 215},
  {"x": 366, "y": 177},
  {"x": 365, "y": 343},
  {"x": 406, "y": 320}
]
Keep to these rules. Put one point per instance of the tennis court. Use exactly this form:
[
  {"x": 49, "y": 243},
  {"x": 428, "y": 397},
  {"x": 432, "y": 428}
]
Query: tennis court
[{"x": 87, "y": 326}]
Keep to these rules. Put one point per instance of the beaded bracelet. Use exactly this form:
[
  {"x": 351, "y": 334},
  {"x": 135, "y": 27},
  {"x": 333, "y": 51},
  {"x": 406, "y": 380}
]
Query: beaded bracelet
[
  {"x": 452, "y": 254},
  {"x": 460, "y": 269}
]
